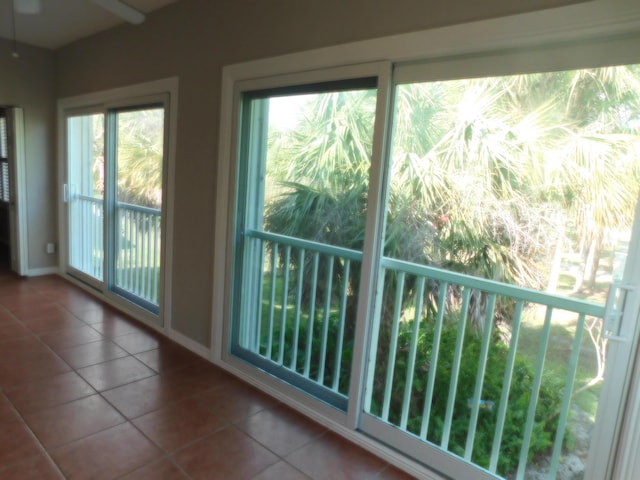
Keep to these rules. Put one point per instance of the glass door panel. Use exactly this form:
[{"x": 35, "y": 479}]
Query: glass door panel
[
  {"x": 509, "y": 216},
  {"x": 85, "y": 194},
  {"x": 305, "y": 161},
  {"x": 139, "y": 151}
]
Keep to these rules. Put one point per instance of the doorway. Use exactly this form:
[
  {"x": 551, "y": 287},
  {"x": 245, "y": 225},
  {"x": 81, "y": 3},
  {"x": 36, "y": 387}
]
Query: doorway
[{"x": 13, "y": 255}]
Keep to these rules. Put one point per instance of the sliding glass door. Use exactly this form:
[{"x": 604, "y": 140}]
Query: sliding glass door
[
  {"x": 509, "y": 217},
  {"x": 137, "y": 217},
  {"x": 299, "y": 260},
  {"x": 114, "y": 194},
  {"x": 479, "y": 261}
]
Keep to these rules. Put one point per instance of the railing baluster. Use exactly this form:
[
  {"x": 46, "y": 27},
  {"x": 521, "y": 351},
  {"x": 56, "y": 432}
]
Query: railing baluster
[
  {"x": 375, "y": 335},
  {"x": 455, "y": 368},
  {"x": 325, "y": 321},
  {"x": 99, "y": 251},
  {"x": 93, "y": 264},
  {"x": 393, "y": 346},
  {"x": 343, "y": 312},
  {"x": 149, "y": 251},
  {"x": 299, "y": 289},
  {"x": 153, "y": 269},
  {"x": 129, "y": 246},
  {"x": 117, "y": 255},
  {"x": 156, "y": 256},
  {"x": 138, "y": 251},
  {"x": 144, "y": 253},
  {"x": 272, "y": 298},
  {"x": 566, "y": 399},
  {"x": 482, "y": 365},
  {"x": 506, "y": 385},
  {"x": 285, "y": 296},
  {"x": 312, "y": 314},
  {"x": 92, "y": 240},
  {"x": 528, "y": 430},
  {"x": 86, "y": 261},
  {"x": 125, "y": 248},
  {"x": 259, "y": 308},
  {"x": 118, "y": 248},
  {"x": 134, "y": 252},
  {"x": 433, "y": 365},
  {"x": 411, "y": 364},
  {"x": 121, "y": 241}
]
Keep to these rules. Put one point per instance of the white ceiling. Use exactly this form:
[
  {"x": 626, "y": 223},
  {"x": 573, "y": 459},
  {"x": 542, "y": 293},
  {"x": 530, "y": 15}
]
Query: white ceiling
[{"x": 64, "y": 21}]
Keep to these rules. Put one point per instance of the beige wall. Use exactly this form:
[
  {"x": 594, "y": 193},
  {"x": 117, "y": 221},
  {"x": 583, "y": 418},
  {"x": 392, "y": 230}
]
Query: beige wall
[
  {"x": 193, "y": 40},
  {"x": 29, "y": 82}
]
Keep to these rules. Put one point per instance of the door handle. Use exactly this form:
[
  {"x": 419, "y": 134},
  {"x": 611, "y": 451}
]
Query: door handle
[{"x": 614, "y": 310}]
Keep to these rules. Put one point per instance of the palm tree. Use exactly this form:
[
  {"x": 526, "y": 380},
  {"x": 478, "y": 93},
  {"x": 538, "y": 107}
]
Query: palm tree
[
  {"x": 139, "y": 159},
  {"x": 486, "y": 173}
]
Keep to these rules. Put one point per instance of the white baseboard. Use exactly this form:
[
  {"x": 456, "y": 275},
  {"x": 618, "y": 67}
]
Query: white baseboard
[
  {"x": 187, "y": 343},
  {"x": 388, "y": 454},
  {"x": 38, "y": 272}
]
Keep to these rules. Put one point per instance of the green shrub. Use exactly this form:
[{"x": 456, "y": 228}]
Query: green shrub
[
  {"x": 332, "y": 335},
  {"x": 518, "y": 402}
]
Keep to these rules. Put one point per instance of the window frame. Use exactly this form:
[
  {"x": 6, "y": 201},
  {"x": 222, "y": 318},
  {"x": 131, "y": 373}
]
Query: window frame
[{"x": 379, "y": 70}]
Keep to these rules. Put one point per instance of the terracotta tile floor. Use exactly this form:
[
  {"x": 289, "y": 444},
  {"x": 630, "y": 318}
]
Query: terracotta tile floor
[{"x": 86, "y": 392}]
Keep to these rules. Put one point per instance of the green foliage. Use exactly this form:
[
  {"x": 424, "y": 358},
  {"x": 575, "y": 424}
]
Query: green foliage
[
  {"x": 549, "y": 399},
  {"x": 300, "y": 349},
  {"x": 334, "y": 218},
  {"x": 324, "y": 327},
  {"x": 139, "y": 160}
]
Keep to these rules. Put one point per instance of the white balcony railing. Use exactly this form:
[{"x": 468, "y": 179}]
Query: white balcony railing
[
  {"x": 305, "y": 327},
  {"x": 137, "y": 245}
]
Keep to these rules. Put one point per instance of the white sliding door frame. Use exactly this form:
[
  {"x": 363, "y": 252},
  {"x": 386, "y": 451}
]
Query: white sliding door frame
[{"x": 113, "y": 99}]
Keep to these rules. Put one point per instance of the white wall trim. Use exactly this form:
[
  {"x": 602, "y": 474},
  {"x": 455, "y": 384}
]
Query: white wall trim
[
  {"x": 390, "y": 455},
  {"x": 598, "y": 18}
]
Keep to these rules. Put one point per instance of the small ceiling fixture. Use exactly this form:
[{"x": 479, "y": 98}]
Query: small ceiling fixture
[
  {"x": 117, "y": 7},
  {"x": 14, "y": 53}
]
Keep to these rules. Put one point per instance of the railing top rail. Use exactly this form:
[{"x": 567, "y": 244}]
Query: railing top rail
[
  {"x": 306, "y": 244},
  {"x": 491, "y": 286},
  {"x": 121, "y": 205},
  {"x": 88, "y": 198},
  {"x": 138, "y": 208}
]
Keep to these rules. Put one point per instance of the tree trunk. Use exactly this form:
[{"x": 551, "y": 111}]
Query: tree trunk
[
  {"x": 593, "y": 259},
  {"x": 556, "y": 266}
]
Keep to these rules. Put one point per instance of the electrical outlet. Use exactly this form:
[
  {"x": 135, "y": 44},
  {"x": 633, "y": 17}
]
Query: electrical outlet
[{"x": 51, "y": 247}]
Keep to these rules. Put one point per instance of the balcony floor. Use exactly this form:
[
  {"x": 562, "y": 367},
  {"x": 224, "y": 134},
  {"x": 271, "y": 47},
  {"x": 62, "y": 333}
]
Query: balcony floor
[{"x": 86, "y": 392}]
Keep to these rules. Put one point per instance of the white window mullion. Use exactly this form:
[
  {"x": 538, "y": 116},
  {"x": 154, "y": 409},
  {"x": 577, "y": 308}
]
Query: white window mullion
[{"x": 373, "y": 243}]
